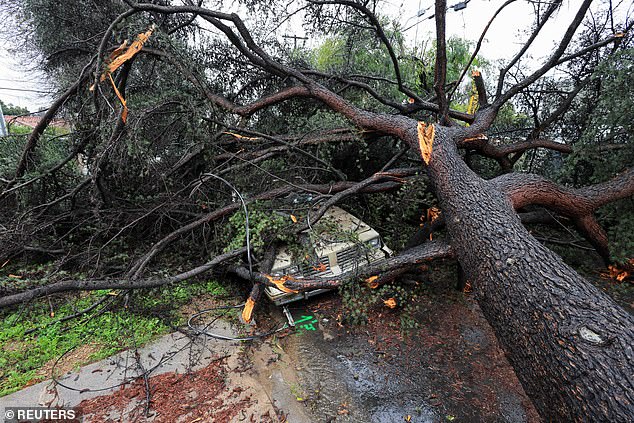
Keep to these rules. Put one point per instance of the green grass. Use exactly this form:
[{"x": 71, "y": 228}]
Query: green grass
[{"x": 150, "y": 313}]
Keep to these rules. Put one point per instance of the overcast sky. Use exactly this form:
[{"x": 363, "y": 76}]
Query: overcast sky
[
  {"x": 503, "y": 40},
  {"x": 17, "y": 85}
]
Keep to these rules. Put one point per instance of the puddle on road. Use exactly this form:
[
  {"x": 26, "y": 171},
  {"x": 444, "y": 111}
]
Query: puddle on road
[
  {"x": 345, "y": 381},
  {"x": 449, "y": 369}
]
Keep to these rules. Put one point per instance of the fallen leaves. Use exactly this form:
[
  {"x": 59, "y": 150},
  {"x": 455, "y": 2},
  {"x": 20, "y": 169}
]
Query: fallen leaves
[
  {"x": 372, "y": 282},
  {"x": 618, "y": 274},
  {"x": 390, "y": 302}
]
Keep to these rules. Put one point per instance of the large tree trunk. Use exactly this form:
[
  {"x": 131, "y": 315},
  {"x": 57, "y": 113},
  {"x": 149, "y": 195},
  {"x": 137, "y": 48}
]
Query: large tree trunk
[{"x": 570, "y": 344}]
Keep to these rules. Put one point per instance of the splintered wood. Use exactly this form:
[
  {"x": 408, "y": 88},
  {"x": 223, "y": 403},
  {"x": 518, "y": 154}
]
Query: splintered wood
[
  {"x": 425, "y": 140},
  {"x": 279, "y": 283},
  {"x": 118, "y": 57},
  {"x": 247, "y": 312}
]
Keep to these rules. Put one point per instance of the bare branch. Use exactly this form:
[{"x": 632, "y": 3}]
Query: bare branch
[
  {"x": 394, "y": 175},
  {"x": 386, "y": 269},
  {"x": 138, "y": 267},
  {"x": 478, "y": 46},
  {"x": 552, "y": 61},
  {"x": 551, "y": 9},
  {"x": 96, "y": 284}
]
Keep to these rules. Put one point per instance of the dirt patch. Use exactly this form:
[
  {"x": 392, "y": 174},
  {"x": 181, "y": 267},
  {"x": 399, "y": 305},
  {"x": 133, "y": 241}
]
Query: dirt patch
[
  {"x": 201, "y": 396},
  {"x": 12, "y": 346},
  {"x": 71, "y": 361},
  {"x": 199, "y": 303}
]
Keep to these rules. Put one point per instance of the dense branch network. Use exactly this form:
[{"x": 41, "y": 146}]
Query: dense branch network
[
  {"x": 187, "y": 206},
  {"x": 305, "y": 86}
]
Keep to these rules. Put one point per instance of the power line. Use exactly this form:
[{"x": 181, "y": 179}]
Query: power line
[
  {"x": 27, "y": 90},
  {"x": 16, "y": 80},
  {"x": 295, "y": 38},
  {"x": 461, "y": 5}
]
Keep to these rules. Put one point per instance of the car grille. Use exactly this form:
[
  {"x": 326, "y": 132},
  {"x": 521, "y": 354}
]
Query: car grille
[
  {"x": 320, "y": 269},
  {"x": 352, "y": 258}
]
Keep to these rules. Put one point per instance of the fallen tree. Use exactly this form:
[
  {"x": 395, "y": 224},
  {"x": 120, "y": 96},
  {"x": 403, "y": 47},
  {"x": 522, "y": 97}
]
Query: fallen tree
[{"x": 569, "y": 343}]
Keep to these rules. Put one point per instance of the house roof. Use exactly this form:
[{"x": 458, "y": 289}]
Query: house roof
[{"x": 32, "y": 121}]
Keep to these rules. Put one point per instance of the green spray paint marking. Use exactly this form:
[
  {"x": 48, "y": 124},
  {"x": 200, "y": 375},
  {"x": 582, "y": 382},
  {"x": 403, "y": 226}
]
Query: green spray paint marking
[{"x": 306, "y": 323}]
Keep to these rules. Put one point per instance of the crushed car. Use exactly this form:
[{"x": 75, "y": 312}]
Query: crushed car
[{"x": 340, "y": 243}]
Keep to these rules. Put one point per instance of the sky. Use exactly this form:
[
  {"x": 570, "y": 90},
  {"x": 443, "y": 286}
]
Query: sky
[
  {"x": 503, "y": 40},
  {"x": 19, "y": 86}
]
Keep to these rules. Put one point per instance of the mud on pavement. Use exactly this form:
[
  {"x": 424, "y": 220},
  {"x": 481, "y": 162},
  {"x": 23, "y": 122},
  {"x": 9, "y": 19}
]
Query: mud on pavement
[{"x": 449, "y": 369}]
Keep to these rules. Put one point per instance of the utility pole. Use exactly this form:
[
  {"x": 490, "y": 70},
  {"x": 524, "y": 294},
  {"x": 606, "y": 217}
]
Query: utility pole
[
  {"x": 295, "y": 38},
  {"x": 3, "y": 126}
]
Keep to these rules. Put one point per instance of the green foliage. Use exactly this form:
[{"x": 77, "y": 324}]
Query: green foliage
[
  {"x": 10, "y": 109},
  {"x": 603, "y": 123},
  {"x": 458, "y": 54},
  {"x": 605, "y": 146},
  {"x": 359, "y": 302},
  {"x": 22, "y": 355},
  {"x": 397, "y": 216},
  {"x": 165, "y": 300},
  {"x": 107, "y": 330},
  {"x": 330, "y": 55},
  {"x": 265, "y": 225},
  {"x": 54, "y": 145},
  {"x": 618, "y": 217}
]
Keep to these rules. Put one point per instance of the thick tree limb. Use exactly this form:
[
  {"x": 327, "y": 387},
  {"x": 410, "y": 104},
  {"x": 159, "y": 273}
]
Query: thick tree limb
[
  {"x": 127, "y": 283},
  {"x": 502, "y": 152},
  {"x": 578, "y": 204},
  {"x": 544, "y": 313},
  {"x": 526, "y": 189},
  {"x": 388, "y": 268},
  {"x": 440, "y": 70},
  {"x": 419, "y": 104}
]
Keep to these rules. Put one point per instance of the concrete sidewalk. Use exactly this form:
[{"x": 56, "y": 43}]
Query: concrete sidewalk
[{"x": 175, "y": 352}]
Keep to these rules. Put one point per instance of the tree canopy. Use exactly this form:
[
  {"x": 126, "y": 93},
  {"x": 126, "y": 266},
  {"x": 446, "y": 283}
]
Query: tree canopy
[
  {"x": 10, "y": 109},
  {"x": 213, "y": 103}
]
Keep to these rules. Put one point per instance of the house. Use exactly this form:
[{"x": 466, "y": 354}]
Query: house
[{"x": 31, "y": 121}]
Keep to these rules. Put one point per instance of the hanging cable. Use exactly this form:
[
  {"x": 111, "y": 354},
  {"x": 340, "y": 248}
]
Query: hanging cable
[
  {"x": 246, "y": 214},
  {"x": 228, "y": 337}
]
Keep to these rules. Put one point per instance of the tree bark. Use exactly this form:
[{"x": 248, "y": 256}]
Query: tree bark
[{"x": 569, "y": 343}]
